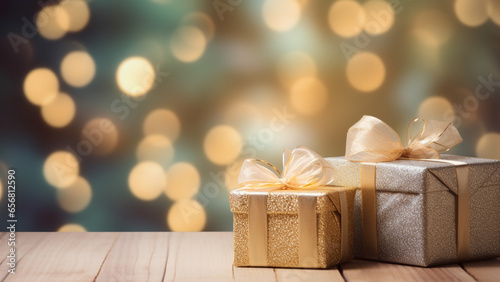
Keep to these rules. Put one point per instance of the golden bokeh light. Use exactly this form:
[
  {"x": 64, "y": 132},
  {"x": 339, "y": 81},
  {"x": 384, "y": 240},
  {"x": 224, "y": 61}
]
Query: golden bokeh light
[
  {"x": 293, "y": 66},
  {"x": 135, "y": 76},
  {"x": 188, "y": 44},
  {"x": 78, "y": 68},
  {"x": 232, "y": 174},
  {"x": 346, "y": 18},
  {"x": 432, "y": 28},
  {"x": 183, "y": 181},
  {"x": 201, "y": 21},
  {"x": 493, "y": 7},
  {"x": 61, "y": 169},
  {"x": 309, "y": 96},
  {"x": 162, "y": 121},
  {"x": 281, "y": 15},
  {"x": 60, "y": 112},
  {"x": 41, "y": 86},
  {"x": 436, "y": 108},
  {"x": 222, "y": 144},
  {"x": 75, "y": 197},
  {"x": 147, "y": 180},
  {"x": 102, "y": 134},
  {"x": 186, "y": 216},
  {"x": 52, "y": 22},
  {"x": 365, "y": 71},
  {"x": 72, "y": 227},
  {"x": 471, "y": 12},
  {"x": 379, "y": 16},
  {"x": 156, "y": 148},
  {"x": 78, "y": 14},
  {"x": 243, "y": 114},
  {"x": 488, "y": 146}
]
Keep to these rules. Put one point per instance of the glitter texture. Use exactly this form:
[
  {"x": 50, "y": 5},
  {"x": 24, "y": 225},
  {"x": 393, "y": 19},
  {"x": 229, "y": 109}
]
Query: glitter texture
[
  {"x": 416, "y": 209},
  {"x": 283, "y": 226}
]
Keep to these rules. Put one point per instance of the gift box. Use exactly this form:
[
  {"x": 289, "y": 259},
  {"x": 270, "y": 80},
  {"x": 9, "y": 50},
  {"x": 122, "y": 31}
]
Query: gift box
[
  {"x": 420, "y": 210},
  {"x": 294, "y": 220}
]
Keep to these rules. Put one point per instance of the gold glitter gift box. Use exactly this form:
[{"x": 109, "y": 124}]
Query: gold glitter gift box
[
  {"x": 294, "y": 219},
  {"x": 415, "y": 206},
  {"x": 282, "y": 220}
]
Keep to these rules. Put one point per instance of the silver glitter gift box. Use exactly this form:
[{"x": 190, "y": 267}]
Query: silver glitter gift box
[{"x": 416, "y": 209}]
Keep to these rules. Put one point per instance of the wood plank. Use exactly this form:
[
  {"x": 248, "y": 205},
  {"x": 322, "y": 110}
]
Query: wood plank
[
  {"x": 359, "y": 270},
  {"x": 485, "y": 270},
  {"x": 25, "y": 242},
  {"x": 200, "y": 256},
  {"x": 65, "y": 257},
  {"x": 244, "y": 274},
  {"x": 291, "y": 274},
  {"x": 136, "y": 257}
]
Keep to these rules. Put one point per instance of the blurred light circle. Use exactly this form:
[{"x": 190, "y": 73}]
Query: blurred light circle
[
  {"x": 346, "y": 18},
  {"x": 162, "y": 121},
  {"x": 102, "y": 135},
  {"x": 232, "y": 174},
  {"x": 309, "y": 96},
  {"x": 379, "y": 16},
  {"x": 222, "y": 144},
  {"x": 156, "y": 148},
  {"x": 75, "y": 197},
  {"x": 188, "y": 44},
  {"x": 186, "y": 216},
  {"x": 183, "y": 181},
  {"x": 41, "y": 86},
  {"x": 60, "y": 112},
  {"x": 52, "y": 22},
  {"x": 365, "y": 71},
  {"x": 471, "y": 12},
  {"x": 435, "y": 108},
  {"x": 78, "y": 68},
  {"x": 72, "y": 227},
  {"x": 493, "y": 7},
  {"x": 293, "y": 66},
  {"x": 78, "y": 14},
  {"x": 135, "y": 76},
  {"x": 201, "y": 21},
  {"x": 488, "y": 146},
  {"x": 432, "y": 27},
  {"x": 61, "y": 169},
  {"x": 281, "y": 15},
  {"x": 147, "y": 181}
]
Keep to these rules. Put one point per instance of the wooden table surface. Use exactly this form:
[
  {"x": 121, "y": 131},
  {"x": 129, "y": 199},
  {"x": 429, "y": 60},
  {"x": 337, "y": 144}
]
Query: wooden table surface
[{"x": 201, "y": 256}]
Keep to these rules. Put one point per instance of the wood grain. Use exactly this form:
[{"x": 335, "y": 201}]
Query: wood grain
[
  {"x": 206, "y": 256},
  {"x": 136, "y": 257},
  {"x": 485, "y": 270},
  {"x": 359, "y": 270}
]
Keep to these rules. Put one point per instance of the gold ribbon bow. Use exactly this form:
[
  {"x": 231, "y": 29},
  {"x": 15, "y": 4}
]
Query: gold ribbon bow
[
  {"x": 371, "y": 140},
  {"x": 302, "y": 169}
]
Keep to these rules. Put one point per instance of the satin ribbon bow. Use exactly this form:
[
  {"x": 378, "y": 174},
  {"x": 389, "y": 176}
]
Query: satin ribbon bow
[
  {"x": 372, "y": 140},
  {"x": 302, "y": 169}
]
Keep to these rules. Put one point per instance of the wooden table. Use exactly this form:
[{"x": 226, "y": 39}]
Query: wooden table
[{"x": 202, "y": 256}]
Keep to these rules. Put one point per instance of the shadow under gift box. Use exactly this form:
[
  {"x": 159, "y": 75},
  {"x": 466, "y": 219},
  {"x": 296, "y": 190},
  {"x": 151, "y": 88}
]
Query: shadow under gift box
[
  {"x": 416, "y": 209},
  {"x": 283, "y": 248}
]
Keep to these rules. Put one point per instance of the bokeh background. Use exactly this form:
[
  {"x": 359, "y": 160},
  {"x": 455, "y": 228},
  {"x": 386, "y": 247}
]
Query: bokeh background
[{"x": 126, "y": 115}]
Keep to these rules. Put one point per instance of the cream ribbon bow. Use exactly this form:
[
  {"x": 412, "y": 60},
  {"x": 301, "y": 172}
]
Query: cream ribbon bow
[
  {"x": 372, "y": 140},
  {"x": 302, "y": 169}
]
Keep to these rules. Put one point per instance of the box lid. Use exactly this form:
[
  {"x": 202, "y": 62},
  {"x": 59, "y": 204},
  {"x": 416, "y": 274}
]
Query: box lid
[
  {"x": 286, "y": 201},
  {"x": 415, "y": 176}
]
